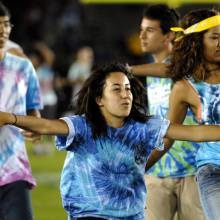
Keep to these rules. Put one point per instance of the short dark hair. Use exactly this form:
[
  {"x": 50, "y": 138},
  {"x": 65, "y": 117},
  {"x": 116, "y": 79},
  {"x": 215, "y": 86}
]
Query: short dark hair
[
  {"x": 4, "y": 11},
  {"x": 93, "y": 88},
  {"x": 168, "y": 17}
]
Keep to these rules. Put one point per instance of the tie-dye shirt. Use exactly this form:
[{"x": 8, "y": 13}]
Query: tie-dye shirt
[
  {"x": 104, "y": 177},
  {"x": 180, "y": 160},
  {"x": 209, "y": 113},
  {"x": 19, "y": 91}
]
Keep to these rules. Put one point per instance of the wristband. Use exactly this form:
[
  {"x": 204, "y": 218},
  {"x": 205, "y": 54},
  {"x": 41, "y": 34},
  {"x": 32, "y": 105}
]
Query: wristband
[{"x": 16, "y": 119}]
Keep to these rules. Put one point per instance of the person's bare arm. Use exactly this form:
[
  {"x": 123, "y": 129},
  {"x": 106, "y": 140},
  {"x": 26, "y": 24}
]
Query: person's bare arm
[
  {"x": 197, "y": 133},
  {"x": 29, "y": 135},
  {"x": 153, "y": 69},
  {"x": 35, "y": 124}
]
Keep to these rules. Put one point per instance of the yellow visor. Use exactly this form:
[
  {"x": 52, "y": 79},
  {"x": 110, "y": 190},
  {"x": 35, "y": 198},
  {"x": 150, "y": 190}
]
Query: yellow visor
[{"x": 198, "y": 27}]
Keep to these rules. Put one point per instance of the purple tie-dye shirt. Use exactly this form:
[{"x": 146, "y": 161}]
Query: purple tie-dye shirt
[{"x": 19, "y": 91}]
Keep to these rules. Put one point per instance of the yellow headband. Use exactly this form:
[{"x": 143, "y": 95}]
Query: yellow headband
[{"x": 198, "y": 27}]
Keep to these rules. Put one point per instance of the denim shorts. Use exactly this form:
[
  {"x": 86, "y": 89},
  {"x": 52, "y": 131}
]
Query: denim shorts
[{"x": 208, "y": 179}]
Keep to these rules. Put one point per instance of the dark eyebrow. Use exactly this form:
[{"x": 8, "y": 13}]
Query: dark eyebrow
[
  {"x": 117, "y": 84},
  {"x": 216, "y": 34},
  {"x": 147, "y": 28}
]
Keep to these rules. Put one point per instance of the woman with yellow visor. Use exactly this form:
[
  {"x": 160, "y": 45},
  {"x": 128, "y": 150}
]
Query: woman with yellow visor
[{"x": 195, "y": 69}]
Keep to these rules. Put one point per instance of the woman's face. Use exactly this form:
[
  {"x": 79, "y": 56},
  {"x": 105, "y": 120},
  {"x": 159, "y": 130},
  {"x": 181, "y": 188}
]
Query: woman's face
[
  {"x": 211, "y": 42},
  {"x": 116, "y": 100}
]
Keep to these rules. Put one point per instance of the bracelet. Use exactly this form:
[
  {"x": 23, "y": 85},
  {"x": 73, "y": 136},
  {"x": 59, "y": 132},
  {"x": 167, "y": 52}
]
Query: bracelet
[{"x": 16, "y": 119}]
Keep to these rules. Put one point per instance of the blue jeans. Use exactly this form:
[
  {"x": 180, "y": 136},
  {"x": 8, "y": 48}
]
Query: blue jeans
[
  {"x": 15, "y": 201},
  {"x": 136, "y": 217},
  {"x": 87, "y": 218},
  {"x": 208, "y": 178}
]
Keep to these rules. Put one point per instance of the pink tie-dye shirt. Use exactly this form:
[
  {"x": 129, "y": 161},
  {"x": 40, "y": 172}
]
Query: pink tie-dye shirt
[{"x": 19, "y": 91}]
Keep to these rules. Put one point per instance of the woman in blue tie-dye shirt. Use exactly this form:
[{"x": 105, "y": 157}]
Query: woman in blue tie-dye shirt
[
  {"x": 108, "y": 143},
  {"x": 196, "y": 69}
]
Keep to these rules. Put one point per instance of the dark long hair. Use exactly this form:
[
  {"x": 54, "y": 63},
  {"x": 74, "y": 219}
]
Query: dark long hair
[
  {"x": 93, "y": 88},
  {"x": 188, "y": 53}
]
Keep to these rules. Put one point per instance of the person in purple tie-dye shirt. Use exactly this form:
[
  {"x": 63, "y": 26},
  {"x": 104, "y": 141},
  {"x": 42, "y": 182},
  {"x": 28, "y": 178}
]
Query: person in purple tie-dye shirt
[{"x": 19, "y": 94}]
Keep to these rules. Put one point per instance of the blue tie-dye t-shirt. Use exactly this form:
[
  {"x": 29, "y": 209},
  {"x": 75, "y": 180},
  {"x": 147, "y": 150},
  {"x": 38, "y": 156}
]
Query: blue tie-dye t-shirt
[
  {"x": 209, "y": 113},
  {"x": 104, "y": 177}
]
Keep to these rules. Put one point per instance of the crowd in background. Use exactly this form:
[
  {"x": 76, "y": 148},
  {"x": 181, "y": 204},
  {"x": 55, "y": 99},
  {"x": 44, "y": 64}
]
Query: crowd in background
[{"x": 111, "y": 31}]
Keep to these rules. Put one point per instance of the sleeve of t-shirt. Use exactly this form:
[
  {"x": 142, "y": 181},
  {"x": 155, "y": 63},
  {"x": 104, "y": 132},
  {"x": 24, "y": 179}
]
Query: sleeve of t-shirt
[
  {"x": 157, "y": 128},
  {"x": 75, "y": 125},
  {"x": 33, "y": 96}
]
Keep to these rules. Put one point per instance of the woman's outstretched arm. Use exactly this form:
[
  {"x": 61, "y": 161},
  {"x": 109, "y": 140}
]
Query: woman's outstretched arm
[
  {"x": 35, "y": 124},
  {"x": 196, "y": 133},
  {"x": 152, "y": 69}
]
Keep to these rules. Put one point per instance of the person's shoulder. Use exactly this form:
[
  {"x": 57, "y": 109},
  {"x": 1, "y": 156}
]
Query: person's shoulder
[
  {"x": 14, "y": 57},
  {"x": 151, "y": 119},
  {"x": 77, "y": 119},
  {"x": 183, "y": 91},
  {"x": 20, "y": 65},
  {"x": 17, "y": 52},
  {"x": 154, "y": 125},
  {"x": 181, "y": 85}
]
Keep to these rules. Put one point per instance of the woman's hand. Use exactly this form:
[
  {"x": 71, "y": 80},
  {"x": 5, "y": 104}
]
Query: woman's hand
[{"x": 31, "y": 136}]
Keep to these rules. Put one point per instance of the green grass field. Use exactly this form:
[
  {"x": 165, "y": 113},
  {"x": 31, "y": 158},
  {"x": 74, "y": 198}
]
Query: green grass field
[{"x": 46, "y": 198}]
